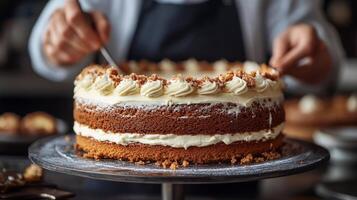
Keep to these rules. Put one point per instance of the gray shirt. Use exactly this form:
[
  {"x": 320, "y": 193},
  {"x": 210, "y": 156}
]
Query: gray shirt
[{"x": 261, "y": 21}]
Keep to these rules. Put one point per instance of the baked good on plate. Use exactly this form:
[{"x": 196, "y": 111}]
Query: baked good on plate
[
  {"x": 304, "y": 116},
  {"x": 209, "y": 116},
  {"x": 9, "y": 123},
  {"x": 38, "y": 123}
]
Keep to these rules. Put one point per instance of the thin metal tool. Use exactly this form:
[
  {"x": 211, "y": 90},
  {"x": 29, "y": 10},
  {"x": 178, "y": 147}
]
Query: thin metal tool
[
  {"x": 103, "y": 50},
  {"x": 105, "y": 53}
]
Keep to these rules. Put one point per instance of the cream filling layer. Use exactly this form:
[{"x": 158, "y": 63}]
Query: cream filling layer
[
  {"x": 245, "y": 99},
  {"x": 172, "y": 140}
]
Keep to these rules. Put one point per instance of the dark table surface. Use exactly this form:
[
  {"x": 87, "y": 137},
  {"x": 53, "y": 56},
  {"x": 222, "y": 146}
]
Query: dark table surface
[{"x": 300, "y": 186}]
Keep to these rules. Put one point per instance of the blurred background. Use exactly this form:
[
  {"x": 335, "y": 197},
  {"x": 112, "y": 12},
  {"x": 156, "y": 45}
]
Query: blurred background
[{"x": 23, "y": 91}]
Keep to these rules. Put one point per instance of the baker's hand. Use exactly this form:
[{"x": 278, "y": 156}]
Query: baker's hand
[
  {"x": 299, "y": 52},
  {"x": 69, "y": 35}
]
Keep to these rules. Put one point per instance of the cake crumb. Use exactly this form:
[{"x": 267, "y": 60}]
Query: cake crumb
[
  {"x": 271, "y": 155},
  {"x": 33, "y": 173},
  {"x": 158, "y": 163},
  {"x": 174, "y": 166},
  {"x": 140, "y": 162},
  {"x": 247, "y": 159},
  {"x": 165, "y": 164},
  {"x": 185, "y": 163},
  {"x": 259, "y": 159},
  {"x": 233, "y": 160}
]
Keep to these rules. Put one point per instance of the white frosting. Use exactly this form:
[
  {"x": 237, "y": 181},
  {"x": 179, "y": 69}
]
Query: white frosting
[
  {"x": 261, "y": 84},
  {"x": 152, "y": 89},
  {"x": 103, "y": 85},
  {"x": 191, "y": 65},
  {"x": 167, "y": 65},
  {"x": 134, "y": 67},
  {"x": 126, "y": 87},
  {"x": 237, "y": 86},
  {"x": 208, "y": 87},
  {"x": 179, "y": 88},
  {"x": 308, "y": 104},
  {"x": 220, "y": 66},
  {"x": 245, "y": 99},
  {"x": 250, "y": 66},
  {"x": 172, "y": 140},
  {"x": 84, "y": 83},
  {"x": 352, "y": 103},
  {"x": 275, "y": 85},
  {"x": 178, "y": 91}
]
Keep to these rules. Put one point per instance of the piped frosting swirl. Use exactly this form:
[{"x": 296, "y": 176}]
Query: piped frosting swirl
[
  {"x": 221, "y": 66},
  {"x": 152, "y": 89},
  {"x": 127, "y": 87},
  {"x": 261, "y": 84},
  {"x": 85, "y": 83},
  {"x": 103, "y": 85},
  {"x": 352, "y": 103},
  {"x": 179, "y": 87},
  {"x": 237, "y": 86},
  {"x": 308, "y": 104},
  {"x": 250, "y": 67},
  {"x": 208, "y": 87},
  {"x": 108, "y": 81}
]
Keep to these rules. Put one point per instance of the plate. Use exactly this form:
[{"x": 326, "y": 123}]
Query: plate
[
  {"x": 57, "y": 154},
  {"x": 340, "y": 141},
  {"x": 341, "y": 137}
]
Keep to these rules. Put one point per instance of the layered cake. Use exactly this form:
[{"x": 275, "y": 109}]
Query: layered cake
[{"x": 233, "y": 116}]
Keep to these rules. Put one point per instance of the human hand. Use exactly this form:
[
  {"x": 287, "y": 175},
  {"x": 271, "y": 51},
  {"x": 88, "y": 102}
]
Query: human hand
[
  {"x": 69, "y": 36},
  {"x": 299, "y": 52}
]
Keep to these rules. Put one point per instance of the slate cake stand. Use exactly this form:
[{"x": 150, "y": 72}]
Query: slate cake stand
[{"x": 57, "y": 154}]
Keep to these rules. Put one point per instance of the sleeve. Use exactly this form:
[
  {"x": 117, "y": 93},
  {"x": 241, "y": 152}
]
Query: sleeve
[
  {"x": 39, "y": 61},
  {"x": 305, "y": 11}
]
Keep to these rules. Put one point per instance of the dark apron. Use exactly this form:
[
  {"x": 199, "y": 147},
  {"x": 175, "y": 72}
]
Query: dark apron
[{"x": 205, "y": 31}]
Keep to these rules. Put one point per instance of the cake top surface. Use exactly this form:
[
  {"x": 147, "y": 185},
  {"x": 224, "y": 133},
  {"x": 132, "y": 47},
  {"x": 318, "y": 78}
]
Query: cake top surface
[
  {"x": 187, "y": 79},
  {"x": 167, "y": 69}
]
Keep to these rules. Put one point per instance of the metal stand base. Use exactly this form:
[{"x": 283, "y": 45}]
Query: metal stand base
[{"x": 171, "y": 191}]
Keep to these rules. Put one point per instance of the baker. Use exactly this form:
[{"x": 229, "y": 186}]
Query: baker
[{"x": 291, "y": 35}]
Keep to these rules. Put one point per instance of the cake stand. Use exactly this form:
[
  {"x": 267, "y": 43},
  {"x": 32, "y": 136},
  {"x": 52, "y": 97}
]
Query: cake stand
[{"x": 57, "y": 154}]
